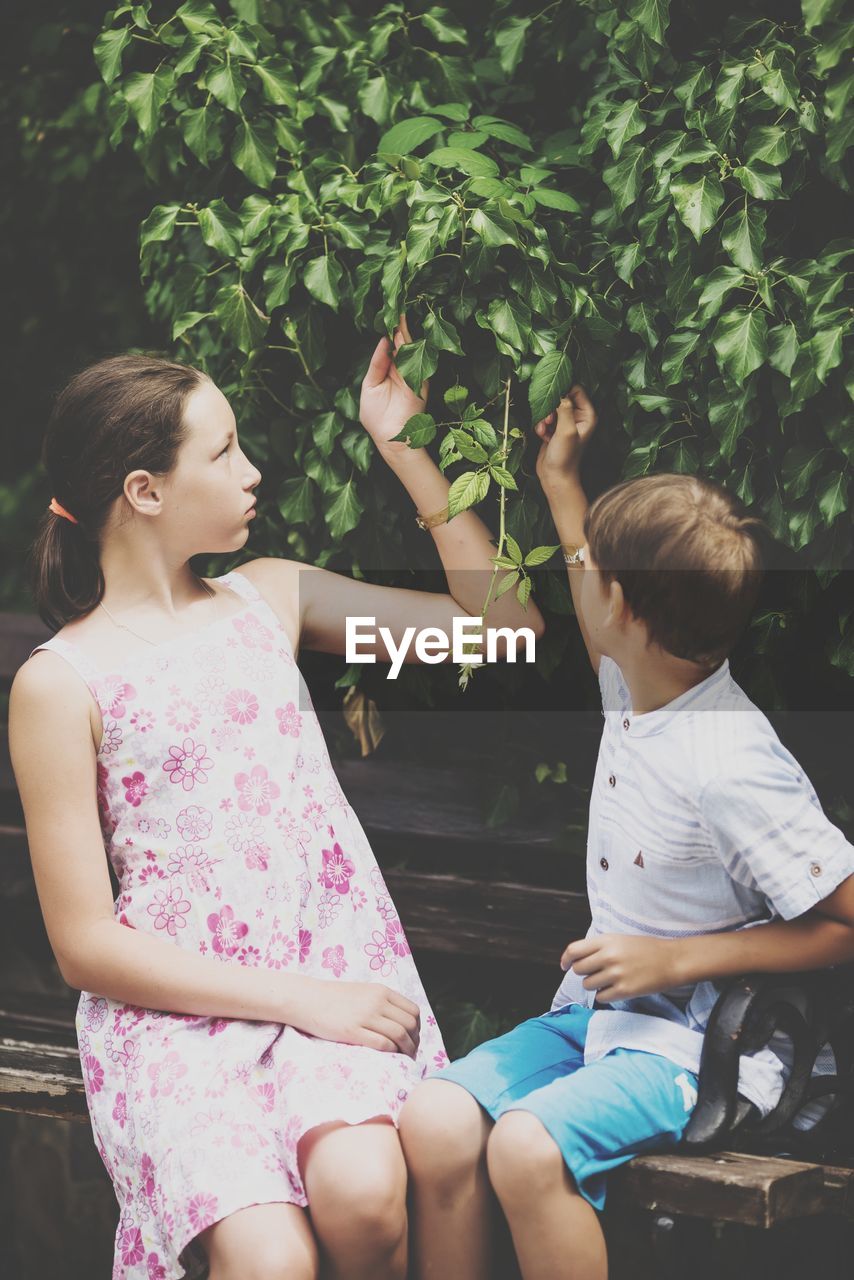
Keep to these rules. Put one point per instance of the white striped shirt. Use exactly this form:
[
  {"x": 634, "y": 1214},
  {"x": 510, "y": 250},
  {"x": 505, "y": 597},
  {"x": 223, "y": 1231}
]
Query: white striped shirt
[{"x": 700, "y": 821}]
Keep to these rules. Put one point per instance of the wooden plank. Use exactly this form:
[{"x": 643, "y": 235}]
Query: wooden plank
[
  {"x": 453, "y": 914},
  {"x": 727, "y": 1186},
  {"x": 41, "y": 1080}
]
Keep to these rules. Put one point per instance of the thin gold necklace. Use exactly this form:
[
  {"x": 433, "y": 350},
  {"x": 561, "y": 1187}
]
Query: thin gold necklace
[{"x": 124, "y": 627}]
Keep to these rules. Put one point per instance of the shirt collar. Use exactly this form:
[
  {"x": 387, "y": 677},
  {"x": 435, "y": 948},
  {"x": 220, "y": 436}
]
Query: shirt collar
[{"x": 693, "y": 699}]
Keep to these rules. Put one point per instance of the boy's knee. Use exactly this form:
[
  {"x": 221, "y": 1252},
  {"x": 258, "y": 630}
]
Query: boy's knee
[
  {"x": 443, "y": 1132},
  {"x": 523, "y": 1159}
]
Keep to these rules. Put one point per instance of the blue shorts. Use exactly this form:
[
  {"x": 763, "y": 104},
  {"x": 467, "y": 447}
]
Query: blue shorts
[{"x": 600, "y": 1115}]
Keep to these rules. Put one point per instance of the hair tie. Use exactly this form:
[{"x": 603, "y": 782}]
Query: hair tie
[{"x": 58, "y": 510}]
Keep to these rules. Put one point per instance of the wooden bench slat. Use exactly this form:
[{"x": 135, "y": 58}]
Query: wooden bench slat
[
  {"x": 41, "y": 1080},
  {"x": 726, "y": 1186}
]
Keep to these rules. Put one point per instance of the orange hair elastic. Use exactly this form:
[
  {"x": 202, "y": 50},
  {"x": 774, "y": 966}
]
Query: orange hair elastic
[{"x": 60, "y": 511}]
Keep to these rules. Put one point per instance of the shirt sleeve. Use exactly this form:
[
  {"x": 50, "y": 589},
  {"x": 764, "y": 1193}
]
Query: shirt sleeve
[{"x": 771, "y": 832}]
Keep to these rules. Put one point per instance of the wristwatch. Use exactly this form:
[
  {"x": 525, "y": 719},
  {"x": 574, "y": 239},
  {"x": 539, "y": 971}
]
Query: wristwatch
[
  {"x": 571, "y": 553},
  {"x": 429, "y": 522}
]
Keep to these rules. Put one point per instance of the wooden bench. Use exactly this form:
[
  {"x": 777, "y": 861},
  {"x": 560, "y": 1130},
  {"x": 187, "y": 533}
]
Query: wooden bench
[{"x": 469, "y": 915}]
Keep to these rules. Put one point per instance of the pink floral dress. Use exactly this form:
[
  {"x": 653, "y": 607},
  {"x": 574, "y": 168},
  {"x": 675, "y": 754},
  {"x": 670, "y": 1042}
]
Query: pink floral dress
[{"x": 230, "y": 837}]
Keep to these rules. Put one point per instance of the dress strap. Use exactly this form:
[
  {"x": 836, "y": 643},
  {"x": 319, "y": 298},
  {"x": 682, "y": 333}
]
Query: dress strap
[
  {"x": 241, "y": 584},
  {"x": 84, "y": 666}
]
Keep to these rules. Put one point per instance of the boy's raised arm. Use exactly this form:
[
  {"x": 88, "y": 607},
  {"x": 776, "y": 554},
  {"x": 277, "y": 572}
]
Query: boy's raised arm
[{"x": 563, "y": 435}]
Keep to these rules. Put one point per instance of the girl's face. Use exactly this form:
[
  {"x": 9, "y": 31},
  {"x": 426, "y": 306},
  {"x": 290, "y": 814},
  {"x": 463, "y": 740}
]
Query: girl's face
[{"x": 210, "y": 501}]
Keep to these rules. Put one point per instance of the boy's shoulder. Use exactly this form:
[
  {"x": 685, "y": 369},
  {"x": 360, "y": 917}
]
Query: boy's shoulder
[{"x": 714, "y": 731}]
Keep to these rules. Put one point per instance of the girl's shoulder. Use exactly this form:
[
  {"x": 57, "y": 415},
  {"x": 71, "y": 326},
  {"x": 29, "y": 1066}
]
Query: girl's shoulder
[{"x": 277, "y": 581}]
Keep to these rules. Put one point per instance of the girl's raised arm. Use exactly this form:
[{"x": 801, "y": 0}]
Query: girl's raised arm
[{"x": 53, "y": 756}]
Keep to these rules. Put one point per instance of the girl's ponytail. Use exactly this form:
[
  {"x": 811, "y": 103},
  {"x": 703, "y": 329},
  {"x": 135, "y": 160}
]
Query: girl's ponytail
[{"x": 123, "y": 414}]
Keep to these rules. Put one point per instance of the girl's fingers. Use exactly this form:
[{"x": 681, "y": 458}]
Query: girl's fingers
[
  {"x": 404, "y": 328},
  {"x": 378, "y": 367},
  {"x": 407, "y": 1005}
]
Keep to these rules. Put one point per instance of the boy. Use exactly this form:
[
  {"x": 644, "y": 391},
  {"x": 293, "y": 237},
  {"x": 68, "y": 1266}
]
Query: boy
[{"x": 708, "y": 856}]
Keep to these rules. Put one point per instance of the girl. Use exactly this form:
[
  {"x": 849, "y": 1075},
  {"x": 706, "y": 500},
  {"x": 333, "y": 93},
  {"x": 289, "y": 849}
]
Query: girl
[{"x": 250, "y": 1019}]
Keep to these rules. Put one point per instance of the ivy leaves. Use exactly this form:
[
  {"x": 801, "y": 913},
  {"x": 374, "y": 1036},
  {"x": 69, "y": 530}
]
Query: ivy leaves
[{"x": 326, "y": 172}]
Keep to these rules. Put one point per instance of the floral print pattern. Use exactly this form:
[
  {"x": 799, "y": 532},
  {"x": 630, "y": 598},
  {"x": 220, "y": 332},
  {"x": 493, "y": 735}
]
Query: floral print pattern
[{"x": 230, "y": 837}]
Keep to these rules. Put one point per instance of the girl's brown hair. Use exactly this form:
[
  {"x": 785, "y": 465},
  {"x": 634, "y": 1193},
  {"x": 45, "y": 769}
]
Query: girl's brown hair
[
  {"x": 688, "y": 556},
  {"x": 122, "y": 414}
]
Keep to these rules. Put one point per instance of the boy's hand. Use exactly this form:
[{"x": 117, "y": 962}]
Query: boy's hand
[
  {"x": 619, "y": 966},
  {"x": 387, "y": 402},
  {"x": 564, "y": 434}
]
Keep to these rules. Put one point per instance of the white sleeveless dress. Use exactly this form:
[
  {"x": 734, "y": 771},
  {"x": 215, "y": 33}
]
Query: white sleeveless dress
[{"x": 230, "y": 836}]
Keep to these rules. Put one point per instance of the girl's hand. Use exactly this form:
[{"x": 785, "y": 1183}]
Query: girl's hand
[
  {"x": 620, "y": 965},
  {"x": 365, "y": 1013},
  {"x": 564, "y": 434},
  {"x": 387, "y": 402}
]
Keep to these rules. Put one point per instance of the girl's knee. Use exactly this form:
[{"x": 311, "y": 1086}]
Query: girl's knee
[
  {"x": 443, "y": 1131},
  {"x": 367, "y": 1209},
  {"x": 523, "y": 1159},
  {"x": 262, "y": 1242}
]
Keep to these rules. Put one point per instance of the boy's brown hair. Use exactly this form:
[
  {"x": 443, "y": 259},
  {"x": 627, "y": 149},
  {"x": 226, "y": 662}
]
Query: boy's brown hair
[{"x": 688, "y": 557}]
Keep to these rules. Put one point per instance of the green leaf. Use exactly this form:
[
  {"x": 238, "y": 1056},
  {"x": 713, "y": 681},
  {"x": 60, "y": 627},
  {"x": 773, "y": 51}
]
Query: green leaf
[
  {"x": 226, "y": 84},
  {"x": 740, "y": 340},
  {"x": 769, "y": 143},
  {"x": 221, "y": 228},
  {"x": 623, "y": 178},
  {"x": 523, "y": 592},
  {"x": 781, "y": 87},
  {"x": 159, "y": 225},
  {"x": 199, "y": 17},
  {"x": 296, "y": 500},
  {"x": 832, "y": 496},
  {"x": 555, "y": 200},
  {"x": 514, "y": 551},
  {"x": 799, "y": 466},
  {"x": 510, "y": 42},
  {"x": 818, "y": 11},
  {"x": 200, "y": 128},
  {"x": 626, "y": 123},
  {"x": 675, "y": 352},
  {"x": 467, "y": 446},
  {"x": 506, "y": 584},
  {"x": 344, "y": 511},
  {"x": 493, "y": 232},
  {"x": 326, "y": 428},
  {"x": 442, "y": 334},
  {"x": 277, "y": 82},
  {"x": 321, "y": 277},
  {"x": 418, "y": 430},
  {"x": 653, "y": 16},
  {"x": 108, "y": 50},
  {"x": 504, "y": 478},
  {"x": 698, "y": 203},
  {"x": 539, "y": 555},
  {"x": 826, "y": 351},
  {"x": 375, "y": 99},
  {"x": 550, "y": 381},
  {"x": 404, "y": 137},
  {"x": 782, "y": 347},
  {"x": 743, "y": 236},
  {"x": 510, "y": 320},
  {"x": 253, "y": 151},
  {"x": 470, "y": 162},
  {"x": 640, "y": 318},
  {"x": 717, "y": 285},
  {"x": 455, "y": 396},
  {"x": 416, "y": 362},
  {"x": 440, "y": 24},
  {"x": 182, "y": 324},
  {"x": 467, "y": 489},
  {"x": 731, "y": 412},
  {"x": 241, "y": 320},
  {"x": 145, "y": 93},
  {"x": 761, "y": 180}
]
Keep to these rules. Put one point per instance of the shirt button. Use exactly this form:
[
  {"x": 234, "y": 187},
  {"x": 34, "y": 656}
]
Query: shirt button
[
  {"x": 626, "y": 723},
  {"x": 603, "y": 863},
  {"x": 815, "y": 869},
  {"x": 612, "y": 781}
]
